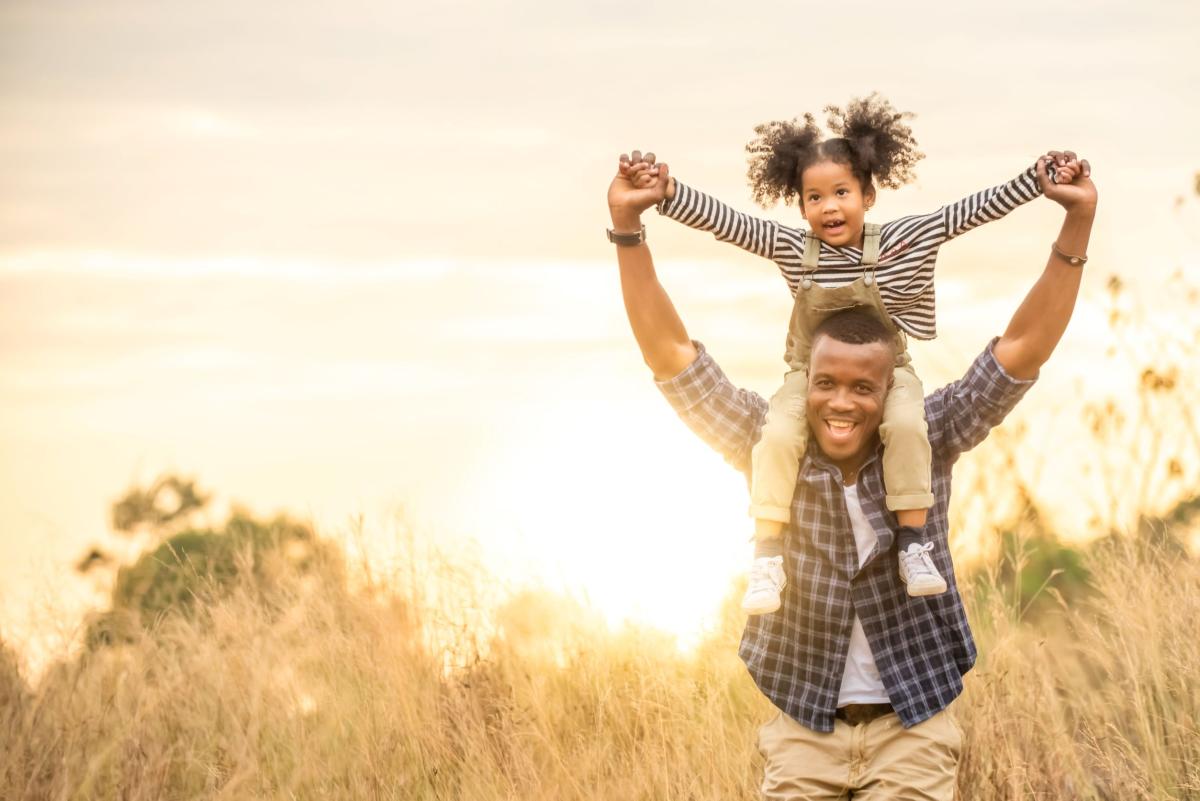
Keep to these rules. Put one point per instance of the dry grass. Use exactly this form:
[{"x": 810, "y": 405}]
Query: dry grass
[
  {"x": 1100, "y": 700},
  {"x": 343, "y": 694}
]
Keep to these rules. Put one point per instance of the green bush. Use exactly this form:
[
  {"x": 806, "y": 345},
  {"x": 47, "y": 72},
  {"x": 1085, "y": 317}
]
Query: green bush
[{"x": 263, "y": 557}]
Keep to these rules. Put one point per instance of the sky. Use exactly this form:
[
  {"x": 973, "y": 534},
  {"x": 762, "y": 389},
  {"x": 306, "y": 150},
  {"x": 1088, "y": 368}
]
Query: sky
[{"x": 351, "y": 261}]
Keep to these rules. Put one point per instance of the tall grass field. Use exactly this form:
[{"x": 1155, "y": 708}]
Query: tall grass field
[{"x": 309, "y": 689}]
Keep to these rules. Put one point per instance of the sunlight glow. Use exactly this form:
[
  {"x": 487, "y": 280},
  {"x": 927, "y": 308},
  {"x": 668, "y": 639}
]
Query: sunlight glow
[{"x": 623, "y": 507}]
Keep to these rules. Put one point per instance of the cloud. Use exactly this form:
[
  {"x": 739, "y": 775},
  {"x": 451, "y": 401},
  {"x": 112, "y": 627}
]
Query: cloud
[{"x": 377, "y": 130}]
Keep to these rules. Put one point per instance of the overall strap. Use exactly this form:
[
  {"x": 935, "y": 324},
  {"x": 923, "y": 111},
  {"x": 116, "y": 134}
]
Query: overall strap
[
  {"x": 812, "y": 252},
  {"x": 870, "y": 256}
]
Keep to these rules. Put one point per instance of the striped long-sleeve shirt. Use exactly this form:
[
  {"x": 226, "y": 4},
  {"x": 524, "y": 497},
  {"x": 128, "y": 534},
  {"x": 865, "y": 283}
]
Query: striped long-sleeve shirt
[{"x": 908, "y": 246}]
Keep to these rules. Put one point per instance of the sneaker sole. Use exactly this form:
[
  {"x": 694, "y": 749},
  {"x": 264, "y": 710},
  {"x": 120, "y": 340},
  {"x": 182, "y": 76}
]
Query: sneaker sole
[
  {"x": 761, "y": 610},
  {"x": 918, "y": 590}
]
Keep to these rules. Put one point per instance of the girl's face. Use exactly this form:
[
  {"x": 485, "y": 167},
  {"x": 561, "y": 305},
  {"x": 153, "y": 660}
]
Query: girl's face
[{"x": 834, "y": 203}]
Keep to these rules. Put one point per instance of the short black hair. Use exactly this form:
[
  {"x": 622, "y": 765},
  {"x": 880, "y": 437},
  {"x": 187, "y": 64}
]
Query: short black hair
[
  {"x": 872, "y": 139},
  {"x": 855, "y": 326}
]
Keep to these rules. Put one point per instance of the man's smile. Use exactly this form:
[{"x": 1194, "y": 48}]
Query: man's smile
[{"x": 840, "y": 429}]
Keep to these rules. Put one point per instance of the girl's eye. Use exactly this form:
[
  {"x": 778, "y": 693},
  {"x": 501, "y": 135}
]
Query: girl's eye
[{"x": 843, "y": 192}]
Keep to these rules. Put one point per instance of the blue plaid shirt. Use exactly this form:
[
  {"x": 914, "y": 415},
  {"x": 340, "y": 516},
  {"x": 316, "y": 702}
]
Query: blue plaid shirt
[{"x": 922, "y": 646}]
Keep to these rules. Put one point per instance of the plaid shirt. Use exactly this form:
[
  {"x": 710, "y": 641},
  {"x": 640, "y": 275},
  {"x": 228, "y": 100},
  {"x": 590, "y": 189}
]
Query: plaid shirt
[{"x": 922, "y": 646}]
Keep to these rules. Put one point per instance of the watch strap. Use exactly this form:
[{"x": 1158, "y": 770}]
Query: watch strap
[{"x": 627, "y": 239}]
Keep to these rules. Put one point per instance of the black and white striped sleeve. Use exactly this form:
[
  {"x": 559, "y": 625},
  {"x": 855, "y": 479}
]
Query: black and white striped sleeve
[
  {"x": 990, "y": 204},
  {"x": 705, "y": 213}
]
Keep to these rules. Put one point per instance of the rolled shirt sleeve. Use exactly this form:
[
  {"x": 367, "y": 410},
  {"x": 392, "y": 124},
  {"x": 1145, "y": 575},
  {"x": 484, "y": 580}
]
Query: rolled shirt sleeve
[
  {"x": 729, "y": 419},
  {"x": 961, "y": 414}
]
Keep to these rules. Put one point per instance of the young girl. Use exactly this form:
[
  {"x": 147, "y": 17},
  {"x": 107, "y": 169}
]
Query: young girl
[{"x": 840, "y": 262}]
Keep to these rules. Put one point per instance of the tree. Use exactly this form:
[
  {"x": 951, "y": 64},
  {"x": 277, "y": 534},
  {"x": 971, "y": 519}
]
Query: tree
[{"x": 263, "y": 556}]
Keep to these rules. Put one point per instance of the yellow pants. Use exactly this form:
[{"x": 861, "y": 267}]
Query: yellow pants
[
  {"x": 876, "y": 761},
  {"x": 907, "y": 458}
]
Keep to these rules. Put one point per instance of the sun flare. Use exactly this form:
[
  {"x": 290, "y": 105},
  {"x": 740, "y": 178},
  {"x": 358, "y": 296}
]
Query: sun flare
[{"x": 621, "y": 507}]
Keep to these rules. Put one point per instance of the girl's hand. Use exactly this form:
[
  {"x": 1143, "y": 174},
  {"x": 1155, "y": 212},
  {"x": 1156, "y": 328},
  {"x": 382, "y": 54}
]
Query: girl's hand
[
  {"x": 638, "y": 185},
  {"x": 1073, "y": 188},
  {"x": 644, "y": 173},
  {"x": 638, "y": 168}
]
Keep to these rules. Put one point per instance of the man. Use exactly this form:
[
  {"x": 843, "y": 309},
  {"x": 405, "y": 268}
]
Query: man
[{"x": 862, "y": 674}]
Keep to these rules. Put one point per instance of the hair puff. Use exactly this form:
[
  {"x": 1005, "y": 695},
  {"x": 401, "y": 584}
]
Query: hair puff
[
  {"x": 880, "y": 138},
  {"x": 778, "y": 153}
]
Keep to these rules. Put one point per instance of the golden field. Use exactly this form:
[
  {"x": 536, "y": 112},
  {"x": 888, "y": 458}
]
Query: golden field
[{"x": 392, "y": 689}]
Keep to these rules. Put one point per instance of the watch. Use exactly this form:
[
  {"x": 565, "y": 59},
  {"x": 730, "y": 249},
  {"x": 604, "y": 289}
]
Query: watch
[{"x": 627, "y": 239}]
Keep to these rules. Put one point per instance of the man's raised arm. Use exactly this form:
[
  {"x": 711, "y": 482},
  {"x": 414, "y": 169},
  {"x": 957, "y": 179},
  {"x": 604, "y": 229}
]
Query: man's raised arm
[
  {"x": 666, "y": 347},
  {"x": 1042, "y": 317}
]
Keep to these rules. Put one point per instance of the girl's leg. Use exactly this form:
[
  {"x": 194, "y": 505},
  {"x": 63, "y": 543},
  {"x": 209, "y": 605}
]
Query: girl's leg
[
  {"x": 907, "y": 464},
  {"x": 775, "y": 460},
  {"x": 907, "y": 458},
  {"x": 768, "y": 537}
]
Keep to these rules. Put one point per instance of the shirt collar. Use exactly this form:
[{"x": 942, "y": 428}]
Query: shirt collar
[{"x": 816, "y": 462}]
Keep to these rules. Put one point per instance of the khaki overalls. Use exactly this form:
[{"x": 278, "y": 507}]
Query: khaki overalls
[{"x": 906, "y": 454}]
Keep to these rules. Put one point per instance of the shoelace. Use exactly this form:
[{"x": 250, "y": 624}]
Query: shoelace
[
  {"x": 761, "y": 571},
  {"x": 919, "y": 561}
]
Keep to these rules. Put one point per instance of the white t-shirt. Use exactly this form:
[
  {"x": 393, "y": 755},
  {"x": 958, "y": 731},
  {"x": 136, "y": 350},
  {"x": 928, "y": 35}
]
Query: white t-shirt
[{"x": 860, "y": 683}]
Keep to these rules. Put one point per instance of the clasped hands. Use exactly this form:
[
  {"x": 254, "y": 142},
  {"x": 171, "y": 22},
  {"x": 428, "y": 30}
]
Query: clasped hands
[{"x": 642, "y": 181}]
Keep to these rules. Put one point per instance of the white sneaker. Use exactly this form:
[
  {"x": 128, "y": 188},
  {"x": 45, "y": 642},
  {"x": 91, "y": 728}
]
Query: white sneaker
[
  {"x": 918, "y": 571},
  {"x": 766, "y": 582}
]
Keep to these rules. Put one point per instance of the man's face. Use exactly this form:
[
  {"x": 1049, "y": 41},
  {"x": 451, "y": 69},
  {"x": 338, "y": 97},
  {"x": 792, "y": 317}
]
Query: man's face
[{"x": 847, "y": 385}]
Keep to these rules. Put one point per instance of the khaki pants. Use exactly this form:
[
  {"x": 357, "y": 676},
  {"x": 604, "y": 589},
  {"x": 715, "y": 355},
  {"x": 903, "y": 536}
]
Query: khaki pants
[
  {"x": 876, "y": 761},
  {"x": 907, "y": 457}
]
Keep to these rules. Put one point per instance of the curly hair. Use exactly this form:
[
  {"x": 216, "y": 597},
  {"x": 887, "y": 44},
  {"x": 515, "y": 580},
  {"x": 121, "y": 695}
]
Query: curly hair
[{"x": 873, "y": 140}]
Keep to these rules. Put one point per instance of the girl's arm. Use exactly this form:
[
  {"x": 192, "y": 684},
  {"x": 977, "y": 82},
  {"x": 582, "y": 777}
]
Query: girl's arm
[
  {"x": 990, "y": 204},
  {"x": 705, "y": 213}
]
